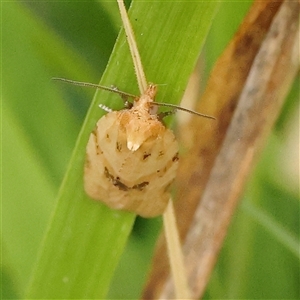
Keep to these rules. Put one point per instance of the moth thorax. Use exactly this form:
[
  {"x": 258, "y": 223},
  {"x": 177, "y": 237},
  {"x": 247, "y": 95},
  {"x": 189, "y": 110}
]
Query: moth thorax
[{"x": 141, "y": 128}]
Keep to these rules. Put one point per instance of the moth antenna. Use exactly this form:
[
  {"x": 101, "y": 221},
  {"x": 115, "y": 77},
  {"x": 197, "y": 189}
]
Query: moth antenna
[
  {"x": 176, "y": 107},
  {"x": 93, "y": 85}
]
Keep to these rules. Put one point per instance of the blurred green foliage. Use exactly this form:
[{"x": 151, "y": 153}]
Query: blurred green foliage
[{"x": 40, "y": 124}]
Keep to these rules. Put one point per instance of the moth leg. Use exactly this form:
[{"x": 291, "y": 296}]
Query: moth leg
[
  {"x": 105, "y": 108},
  {"x": 164, "y": 114},
  {"x": 127, "y": 103}
]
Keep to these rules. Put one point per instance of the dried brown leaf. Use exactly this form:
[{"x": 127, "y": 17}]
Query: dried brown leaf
[{"x": 245, "y": 92}]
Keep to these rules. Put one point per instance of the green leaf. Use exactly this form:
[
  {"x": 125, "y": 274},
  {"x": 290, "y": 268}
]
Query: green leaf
[
  {"x": 26, "y": 202},
  {"x": 85, "y": 239},
  {"x": 275, "y": 228}
]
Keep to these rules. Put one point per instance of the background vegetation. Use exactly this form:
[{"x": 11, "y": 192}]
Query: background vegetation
[{"x": 41, "y": 121}]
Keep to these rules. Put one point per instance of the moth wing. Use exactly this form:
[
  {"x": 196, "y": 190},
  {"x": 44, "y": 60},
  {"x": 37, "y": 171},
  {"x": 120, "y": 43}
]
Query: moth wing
[
  {"x": 146, "y": 174},
  {"x": 152, "y": 155},
  {"x": 151, "y": 158},
  {"x": 96, "y": 184},
  {"x": 149, "y": 194},
  {"x": 155, "y": 196}
]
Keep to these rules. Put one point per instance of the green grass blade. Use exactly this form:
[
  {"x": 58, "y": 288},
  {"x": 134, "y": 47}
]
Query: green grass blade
[
  {"x": 22, "y": 218},
  {"x": 38, "y": 132},
  {"x": 273, "y": 227}
]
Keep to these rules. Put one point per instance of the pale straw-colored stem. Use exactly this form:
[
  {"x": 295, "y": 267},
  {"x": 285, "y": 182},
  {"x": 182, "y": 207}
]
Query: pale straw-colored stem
[
  {"x": 172, "y": 236},
  {"x": 138, "y": 67},
  {"x": 175, "y": 253}
]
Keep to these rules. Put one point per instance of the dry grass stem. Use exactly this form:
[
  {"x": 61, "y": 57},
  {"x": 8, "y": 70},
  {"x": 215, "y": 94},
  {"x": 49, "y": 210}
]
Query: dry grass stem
[
  {"x": 171, "y": 231},
  {"x": 175, "y": 254},
  {"x": 245, "y": 92},
  {"x": 136, "y": 58}
]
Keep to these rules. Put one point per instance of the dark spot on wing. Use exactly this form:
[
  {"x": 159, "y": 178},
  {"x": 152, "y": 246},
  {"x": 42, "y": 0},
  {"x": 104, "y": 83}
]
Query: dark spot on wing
[
  {"x": 175, "y": 158},
  {"x": 94, "y": 134},
  {"x": 107, "y": 174},
  {"x": 146, "y": 155},
  {"x": 120, "y": 185},
  {"x": 119, "y": 146},
  {"x": 140, "y": 186},
  {"x": 161, "y": 153},
  {"x": 116, "y": 181}
]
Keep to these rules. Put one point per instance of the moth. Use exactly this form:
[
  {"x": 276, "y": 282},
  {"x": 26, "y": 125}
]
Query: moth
[
  {"x": 131, "y": 156},
  {"x": 131, "y": 159}
]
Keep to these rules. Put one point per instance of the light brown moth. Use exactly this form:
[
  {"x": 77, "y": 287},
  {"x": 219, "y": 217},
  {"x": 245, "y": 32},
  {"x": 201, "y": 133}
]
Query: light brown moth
[
  {"x": 132, "y": 159},
  {"x": 131, "y": 156}
]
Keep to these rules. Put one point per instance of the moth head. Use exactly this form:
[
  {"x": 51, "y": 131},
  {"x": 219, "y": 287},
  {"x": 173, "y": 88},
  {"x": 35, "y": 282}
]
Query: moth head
[{"x": 151, "y": 91}]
